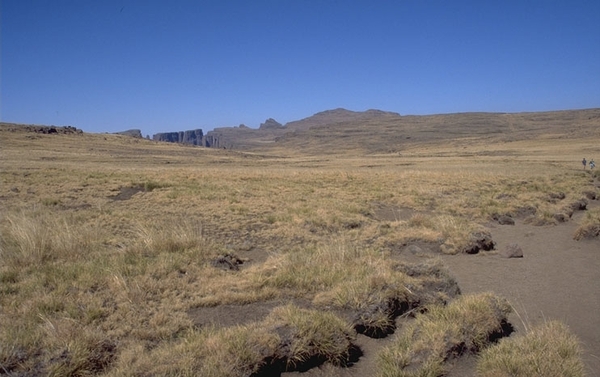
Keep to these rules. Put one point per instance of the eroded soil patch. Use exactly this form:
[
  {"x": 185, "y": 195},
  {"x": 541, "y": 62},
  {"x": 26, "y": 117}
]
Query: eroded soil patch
[{"x": 126, "y": 193}]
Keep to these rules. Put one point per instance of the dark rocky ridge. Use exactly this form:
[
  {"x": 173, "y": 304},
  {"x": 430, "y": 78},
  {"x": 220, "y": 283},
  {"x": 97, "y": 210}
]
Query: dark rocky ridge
[
  {"x": 47, "y": 130},
  {"x": 133, "y": 133},
  {"x": 270, "y": 124},
  {"x": 193, "y": 137}
]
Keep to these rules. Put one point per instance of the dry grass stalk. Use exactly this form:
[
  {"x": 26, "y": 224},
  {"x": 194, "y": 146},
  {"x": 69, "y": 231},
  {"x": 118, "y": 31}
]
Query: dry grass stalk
[{"x": 548, "y": 350}]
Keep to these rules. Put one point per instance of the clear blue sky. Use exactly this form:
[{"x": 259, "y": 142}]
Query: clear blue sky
[{"x": 112, "y": 65}]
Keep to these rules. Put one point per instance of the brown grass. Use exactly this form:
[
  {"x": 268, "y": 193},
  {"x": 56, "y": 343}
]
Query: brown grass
[
  {"x": 443, "y": 332},
  {"x": 549, "y": 350},
  {"x": 107, "y": 242}
]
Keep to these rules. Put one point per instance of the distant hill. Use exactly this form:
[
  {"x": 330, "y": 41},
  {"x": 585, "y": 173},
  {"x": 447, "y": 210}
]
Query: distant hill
[
  {"x": 375, "y": 131},
  {"x": 393, "y": 134},
  {"x": 271, "y": 131},
  {"x": 336, "y": 116}
]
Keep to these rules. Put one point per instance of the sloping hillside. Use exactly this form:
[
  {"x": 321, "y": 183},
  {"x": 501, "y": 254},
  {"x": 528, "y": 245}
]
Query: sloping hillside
[
  {"x": 383, "y": 133},
  {"x": 375, "y": 131}
]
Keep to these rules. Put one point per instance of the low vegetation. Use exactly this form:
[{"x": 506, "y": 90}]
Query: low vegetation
[
  {"x": 108, "y": 243},
  {"x": 589, "y": 226},
  {"x": 466, "y": 325},
  {"x": 548, "y": 350}
]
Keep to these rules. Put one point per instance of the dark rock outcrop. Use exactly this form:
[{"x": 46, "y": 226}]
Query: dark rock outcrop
[
  {"x": 212, "y": 140},
  {"x": 270, "y": 124},
  {"x": 133, "y": 133},
  {"x": 46, "y": 130},
  {"x": 193, "y": 137}
]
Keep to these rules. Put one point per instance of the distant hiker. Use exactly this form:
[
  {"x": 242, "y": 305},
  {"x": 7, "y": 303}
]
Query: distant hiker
[
  {"x": 584, "y": 162},
  {"x": 592, "y": 164}
]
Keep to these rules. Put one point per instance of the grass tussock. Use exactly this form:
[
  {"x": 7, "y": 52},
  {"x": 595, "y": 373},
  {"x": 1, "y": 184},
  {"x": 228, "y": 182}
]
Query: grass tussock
[
  {"x": 548, "y": 350},
  {"x": 589, "y": 226},
  {"x": 290, "y": 338},
  {"x": 362, "y": 280},
  {"x": 443, "y": 332},
  {"x": 38, "y": 236}
]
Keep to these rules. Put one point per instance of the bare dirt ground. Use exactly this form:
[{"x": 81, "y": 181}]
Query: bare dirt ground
[{"x": 558, "y": 278}]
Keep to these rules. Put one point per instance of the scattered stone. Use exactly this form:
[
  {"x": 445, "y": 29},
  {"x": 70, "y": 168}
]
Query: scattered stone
[
  {"x": 513, "y": 250},
  {"x": 227, "y": 262},
  {"x": 414, "y": 250}
]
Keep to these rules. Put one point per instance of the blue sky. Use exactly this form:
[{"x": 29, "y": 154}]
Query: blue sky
[{"x": 112, "y": 65}]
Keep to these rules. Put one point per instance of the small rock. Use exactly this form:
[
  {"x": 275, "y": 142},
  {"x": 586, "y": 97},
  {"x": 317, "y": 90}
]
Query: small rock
[
  {"x": 513, "y": 250},
  {"x": 414, "y": 249},
  {"x": 227, "y": 262}
]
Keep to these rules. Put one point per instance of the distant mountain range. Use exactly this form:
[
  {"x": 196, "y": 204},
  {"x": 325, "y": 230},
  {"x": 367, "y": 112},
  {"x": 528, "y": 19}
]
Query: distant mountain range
[
  {"x": 376, "y": 130},
  {"x": 243, "y": 137}
]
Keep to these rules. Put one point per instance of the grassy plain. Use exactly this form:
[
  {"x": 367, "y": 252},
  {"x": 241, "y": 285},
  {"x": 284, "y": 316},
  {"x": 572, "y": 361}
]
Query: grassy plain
[{"x": 109, "y": 242}]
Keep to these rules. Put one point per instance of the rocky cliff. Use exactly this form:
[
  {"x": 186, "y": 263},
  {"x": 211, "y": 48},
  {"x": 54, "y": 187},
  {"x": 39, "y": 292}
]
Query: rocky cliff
[
  {"x": 270, "y": 124},
  {"x": 193, "y": 137}
]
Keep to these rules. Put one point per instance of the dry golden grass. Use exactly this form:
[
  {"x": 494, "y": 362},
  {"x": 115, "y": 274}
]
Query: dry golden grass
[
  {"x": 443, "y": 332},
  {"x": 590, "y": 226},
  {"x": 549, "y": 350},
  {"x": 288, "y": 337},
  {"x": 106, "y": 242}
]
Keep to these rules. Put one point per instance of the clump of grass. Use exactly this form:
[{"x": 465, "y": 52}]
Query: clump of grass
[
  {"x": 363, "y": 281},
  {"x": 170, "y": 237},
  {"x": 39, "y": 236},
  {"x": 50, "y": 202},
  {"x": 288, "y": 339},
  {"x": 590, "y": 225},
  {"x": 453, "y": 233},
  {"x": 342, "y": 275},
  {"x": 311, "y": 335},
  {"x": 444, "y": 332},
  {"x": 457, "y": 232},
  {"x": 150, "y": 185},
  {"x": 549, "y": 350}
]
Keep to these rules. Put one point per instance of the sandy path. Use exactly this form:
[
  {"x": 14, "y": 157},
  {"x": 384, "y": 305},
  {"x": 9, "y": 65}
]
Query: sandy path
[{"x": 558, "y": 278}]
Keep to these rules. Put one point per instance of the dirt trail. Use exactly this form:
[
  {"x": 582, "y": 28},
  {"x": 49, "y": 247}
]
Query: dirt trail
[{"x": 557, "y": 279}]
